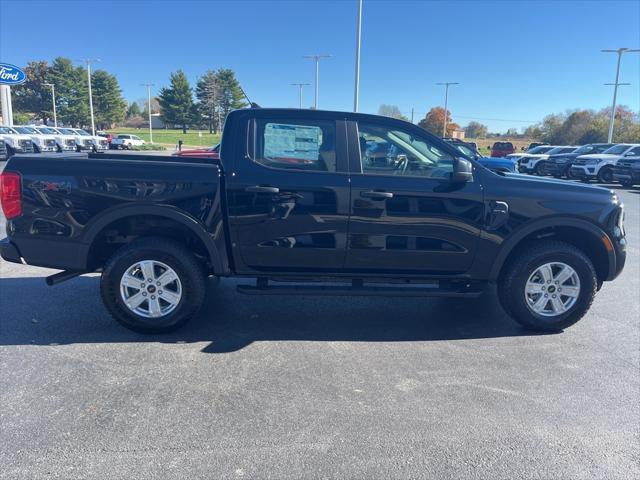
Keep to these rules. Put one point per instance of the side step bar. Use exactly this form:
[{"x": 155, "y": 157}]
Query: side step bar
[{"x": 461, "y": 291}]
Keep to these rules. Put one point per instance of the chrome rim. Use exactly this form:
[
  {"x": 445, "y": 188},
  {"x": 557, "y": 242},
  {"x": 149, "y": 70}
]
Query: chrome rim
[
  {"x": 552, "y": 289},
  {"x": 150, "y": 289}
]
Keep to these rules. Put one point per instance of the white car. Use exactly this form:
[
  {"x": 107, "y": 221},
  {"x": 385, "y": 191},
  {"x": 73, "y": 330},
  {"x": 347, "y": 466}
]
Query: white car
[
  {"x": 532, "y": 151},
  {"x": 15, "y": 142},
  {"x": 64, "y": 143},
  {"x": 533, "y": 163},
  {"x": 41, "y": 143},
  {"x": 84, "y": 140},
  {"x": 126, "y": 141},
  {"x": 600, "y": 165}
]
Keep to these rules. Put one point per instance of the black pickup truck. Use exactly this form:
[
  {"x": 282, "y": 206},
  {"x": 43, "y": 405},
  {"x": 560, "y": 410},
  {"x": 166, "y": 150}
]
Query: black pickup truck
[{"x": 312, "y": 203}]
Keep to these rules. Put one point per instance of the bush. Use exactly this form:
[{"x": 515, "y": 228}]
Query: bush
[{"x": 148, "y": 146}]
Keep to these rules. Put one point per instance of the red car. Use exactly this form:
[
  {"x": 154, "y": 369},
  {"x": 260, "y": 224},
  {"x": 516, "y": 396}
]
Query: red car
[
  {"x": 212, "y": 152},
  {"x": 502, "y": 149}
]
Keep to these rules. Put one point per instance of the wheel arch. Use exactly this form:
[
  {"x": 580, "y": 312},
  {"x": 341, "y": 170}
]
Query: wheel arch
[
  {"x": 586, "y": 236},
  {"x": 192, "y": 226}
]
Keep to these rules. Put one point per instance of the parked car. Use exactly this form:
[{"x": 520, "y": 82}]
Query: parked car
[
  {"x": 430, "y": 223},
  {"x": 534, "y": 163},
  {"x": 559, "y": 165},
  {"x": 3, "y": 151},
  {"x": 533, "y": 145},
  {"x": 106, "y": 135},
  {"x": 15, "y": 142},
  {"x": 86, "y": 141},
  {"x": 627, "y": 172},
  {"x": 498, "y": 164},
  {"x": 64, "y": 142},
  {"x": 126, "y": 142},
  {"x": 600, "y": 165},
  {"x": 41, "y": 142},
  {"x": 212, "y": 152},
  {"x": 502, "y": 149}
]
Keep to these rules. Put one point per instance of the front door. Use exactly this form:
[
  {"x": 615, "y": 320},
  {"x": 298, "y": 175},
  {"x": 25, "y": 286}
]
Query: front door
[
  {"x": 406, "y": 214},
  {"x": 289, "y": 195}
]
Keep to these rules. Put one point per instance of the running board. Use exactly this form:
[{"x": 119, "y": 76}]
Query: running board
[{"x": 364, "y": 291}]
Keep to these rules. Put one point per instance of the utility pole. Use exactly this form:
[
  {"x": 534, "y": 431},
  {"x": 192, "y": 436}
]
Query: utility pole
[
  {"x": 89, "y": 61},
  {"x": 300, "y": 87},
  {"x": 317, "y": 60},
  {"x": 149, "y": 85},
  {"x": 411, "y": 114},
  {"x": 356, "y": 92},
  {"x": 446, "y": 99},
  {"x": 620, "y": 52},
  {"x": 53, "y": 95}
]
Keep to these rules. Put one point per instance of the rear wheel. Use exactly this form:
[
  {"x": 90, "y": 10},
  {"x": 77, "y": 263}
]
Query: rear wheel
[
  {"x": 549, "y": 287},
  {"x": 153, "y": 285},
  {"x": 539, "y": 169}
]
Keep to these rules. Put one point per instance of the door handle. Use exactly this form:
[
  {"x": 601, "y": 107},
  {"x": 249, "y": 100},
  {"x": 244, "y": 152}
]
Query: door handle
[
  {"x": 262, "y": 189},
  {"x": 376, "y": 195}
]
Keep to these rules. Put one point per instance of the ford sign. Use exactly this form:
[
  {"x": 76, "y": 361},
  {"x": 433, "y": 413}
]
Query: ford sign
[{"x": 11, "y": 75}]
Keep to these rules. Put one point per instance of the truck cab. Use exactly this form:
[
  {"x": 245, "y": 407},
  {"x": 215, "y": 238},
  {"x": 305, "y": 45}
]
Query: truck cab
[{"x": 41, "y": 142}]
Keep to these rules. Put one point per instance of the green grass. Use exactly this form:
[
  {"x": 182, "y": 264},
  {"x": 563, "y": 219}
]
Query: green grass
[{"x": 169, "y": 138}]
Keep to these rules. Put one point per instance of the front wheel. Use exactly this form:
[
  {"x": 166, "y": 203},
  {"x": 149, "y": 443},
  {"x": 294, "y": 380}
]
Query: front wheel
[
  {"x": 605, "y": 175},
  {"x": 549, "y": 287},
  {"x": 153, "y": 285},
  {"x": 539, "y": 169}
]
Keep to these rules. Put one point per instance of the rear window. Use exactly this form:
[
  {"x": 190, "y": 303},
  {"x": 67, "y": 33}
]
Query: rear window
[
  {"x": 293, "y": 145},
  {"x": 503, "y": 145}
]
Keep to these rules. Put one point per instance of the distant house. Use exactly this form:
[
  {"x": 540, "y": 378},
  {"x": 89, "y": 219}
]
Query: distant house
[{"x": 458, "y": 134}]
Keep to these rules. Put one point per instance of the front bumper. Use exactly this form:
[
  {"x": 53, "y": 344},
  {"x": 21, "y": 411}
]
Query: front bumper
[
  {"x": 583, "y": 171},
  {"x": 556, "y": 169}
]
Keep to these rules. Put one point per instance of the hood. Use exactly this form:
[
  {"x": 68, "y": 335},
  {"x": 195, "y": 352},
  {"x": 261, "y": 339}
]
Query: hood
[
  {"x": 552, "y": 185},
  {"x": 15, "y": 136},
  {"x": 597, "y": 156}
]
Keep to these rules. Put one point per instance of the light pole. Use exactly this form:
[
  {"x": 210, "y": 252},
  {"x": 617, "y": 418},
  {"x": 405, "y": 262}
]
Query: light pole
[
  {"x": 619, "y": 51},
  {"x": 356, "y": 92},
  {"x": 149, "y": 85},
  {"x": 53, "y": 95},
  {"x": 446, "y": 100},
  {"x": 300, "y": 87},
  {"x": 317, "y": 59},
  {"x": 88, "y": 61}
]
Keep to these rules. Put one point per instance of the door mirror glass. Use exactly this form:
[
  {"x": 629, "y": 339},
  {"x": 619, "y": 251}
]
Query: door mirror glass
[{"x": 462, "y": 171}]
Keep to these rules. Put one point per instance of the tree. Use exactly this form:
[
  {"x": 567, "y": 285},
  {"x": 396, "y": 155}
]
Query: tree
[
  {"x": 230, "y": 96},
  {"x": 72, "y": 92},
  {"x": 511, "y": 132},
  {"x": 533, "y": 131},
  {"x": 134, "y": 110},
  {"x": 207, "y": 93},
  {"x": 21, "y": 118},
  {"x": 108, "y": 105},
  {"x": 434, "y": 121},
  {"x": 176, "y": 101},
  {"x": 391, "y": 111},
  {"x": 475, "y": 130},
  {"x": 33, "y": 95}
]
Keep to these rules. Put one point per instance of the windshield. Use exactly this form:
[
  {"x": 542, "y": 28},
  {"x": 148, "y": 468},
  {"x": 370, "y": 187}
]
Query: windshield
[
  {"x": 466, "y": 149},
  {"x": 540, "y": 149},
  {"x": 49, "y": 131},
  {"x": 79, "y": 131},
  {"x": 7, "y": 130},
  {"x": 555, "y": 150},
  {"x": 67, "y": 131},
  {"x": 27, "y": 130},
  {"x": 616, "y": 150}
]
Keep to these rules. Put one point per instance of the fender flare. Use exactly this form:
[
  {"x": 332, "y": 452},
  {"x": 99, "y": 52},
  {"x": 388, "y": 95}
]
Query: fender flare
[
  {"x": 166, "y": 211},
  {"x": 514, "y": 240}
]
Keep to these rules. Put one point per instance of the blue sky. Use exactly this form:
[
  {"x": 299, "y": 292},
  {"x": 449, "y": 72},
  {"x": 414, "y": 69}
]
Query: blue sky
[{"x": 515, "y": 60}]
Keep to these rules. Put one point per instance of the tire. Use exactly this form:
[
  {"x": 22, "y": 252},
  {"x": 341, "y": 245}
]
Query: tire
[
  {"x": 520, "y": 305},
  {"x": 10, "y": 152},
  {"x": 539, "y": 169},
  {"x": 605, "y": 175},
  {"x": 187, "y": 291}
]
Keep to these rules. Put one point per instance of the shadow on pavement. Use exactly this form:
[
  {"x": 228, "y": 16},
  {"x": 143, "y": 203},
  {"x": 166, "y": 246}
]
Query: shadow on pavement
[{"x": 72, "y": 313}]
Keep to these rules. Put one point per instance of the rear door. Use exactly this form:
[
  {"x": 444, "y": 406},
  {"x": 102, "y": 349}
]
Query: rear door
[
  {"x": 289, "y": 193},
  {"x": 406, "y": 215}
]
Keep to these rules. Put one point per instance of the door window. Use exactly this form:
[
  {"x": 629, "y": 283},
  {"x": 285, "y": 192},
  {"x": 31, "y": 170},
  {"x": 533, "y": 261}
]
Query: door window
[
  {"x": 296, "y": 145},
  {"x": 391, "y": 151}
]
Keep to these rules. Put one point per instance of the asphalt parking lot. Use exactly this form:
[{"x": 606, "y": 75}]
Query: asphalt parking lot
[{"x": 318, "y": 387}]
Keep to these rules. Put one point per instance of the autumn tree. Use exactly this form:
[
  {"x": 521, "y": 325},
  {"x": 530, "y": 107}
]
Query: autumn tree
[{"x": 433, "y": 122}]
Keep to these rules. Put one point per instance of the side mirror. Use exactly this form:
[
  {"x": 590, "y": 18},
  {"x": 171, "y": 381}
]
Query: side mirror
[{"x": 462, "y": 171}]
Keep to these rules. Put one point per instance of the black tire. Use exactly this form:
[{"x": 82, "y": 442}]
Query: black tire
[
  {"x": 539, "y": 169},
  {"x": 169, "y": 252},
  {"x": 10, "y": 152},
  {"x": 605, "y": 175},
  {"x": 511, "y": 287}
]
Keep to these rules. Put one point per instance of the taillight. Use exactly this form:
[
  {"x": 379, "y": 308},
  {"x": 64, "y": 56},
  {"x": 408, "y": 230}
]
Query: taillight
[{"x": 10, "y": 194}]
